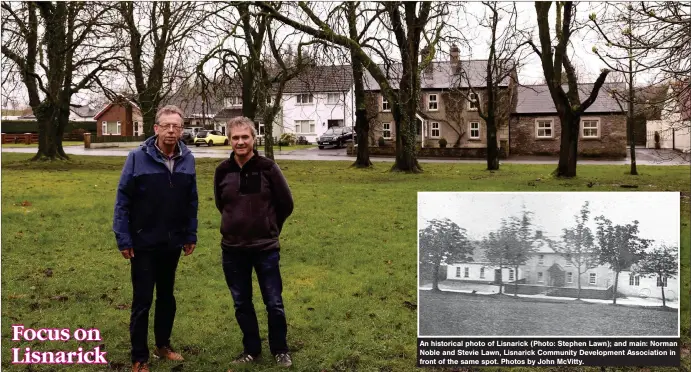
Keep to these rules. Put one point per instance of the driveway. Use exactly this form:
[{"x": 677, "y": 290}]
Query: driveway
[{"x": 643, "y": 156}]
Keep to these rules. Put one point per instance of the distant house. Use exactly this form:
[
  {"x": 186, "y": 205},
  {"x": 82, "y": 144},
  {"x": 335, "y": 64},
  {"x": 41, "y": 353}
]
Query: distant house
[
  {"x": 674, "y": 125},
  {"x": 631, "y": 284},
  {"x": 231, "y": 107},
  {"x": 443, "y": 110},
  {"x": 200, "y": 111},
  {"x": 535, "y": 128},
  {"x": 120, "y": 118},
  {"x": 82, "y": 113}
]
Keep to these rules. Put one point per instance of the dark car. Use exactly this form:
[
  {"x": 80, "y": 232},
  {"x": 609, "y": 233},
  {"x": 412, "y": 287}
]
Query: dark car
[{"x": 335, "y": 136}]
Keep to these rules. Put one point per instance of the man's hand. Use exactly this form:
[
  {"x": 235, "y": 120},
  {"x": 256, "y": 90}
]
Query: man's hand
[
  {"x": 189, "y": 248},
  {"x": 127, "y": 253}
]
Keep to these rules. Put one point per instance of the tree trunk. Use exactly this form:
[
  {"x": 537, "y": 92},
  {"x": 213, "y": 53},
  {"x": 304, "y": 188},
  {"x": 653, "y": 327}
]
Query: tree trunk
[
  {"x": 406, "y": 161},
  {"x": 147, "y": 105},
  {"x": 49, "y": 142},
  {"x": 515, "y": 282},
  {"x": 269, "y": 135},
  {"x": 568, "y": 151},
  {"x": 492, "y": 150},
  {"x": 361, "y": 122},
  {"x": 662, "y": 289},
  {"x": 630, "y": 124},
  {"x": 435, "y": 280},
  {"x": 614, "y": 293}
]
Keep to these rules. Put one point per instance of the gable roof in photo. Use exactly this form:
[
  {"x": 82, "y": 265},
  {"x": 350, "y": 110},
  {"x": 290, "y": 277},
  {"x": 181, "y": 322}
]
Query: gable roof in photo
[
  {"x": 536, "y": 99},
  {"x": 440, "y": 75},
  {"x": 318, "y": 79},
  {"x": 118, "y": 101},
  {"x": 84, "y": 111}
]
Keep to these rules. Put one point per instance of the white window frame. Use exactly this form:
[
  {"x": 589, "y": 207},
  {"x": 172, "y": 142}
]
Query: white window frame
[
  {"x": 541, "y": 259},
  {"x": 592, "y": 278},
  {"x": 466, "y": 272},
  {"x": 269, "y": 100},
  {"x": 304, "y": 99},
  {"x": 261, "y": 132},
  {"x": 386, "y": 127},
  {"x": 458, "y": 272},
  {"x": 329, "y": 101},
  {"x": 540, "y": 277},
  {"x": 511, "y": 274},
  {"x": 384, "y": 102},
  {"x": 597, "y": 127},
  {"x": 118, "y": 128},
  {"x": 473, "y": 99},
  {"x": 543, "y": 121},
  {"x": 433, "y": 128},
  {"x": 310, "y": 123},
  {"x": 470, "y": 130},
  {"x": 233, "y": 101},
  {"x": 569, "y": 277},
  {"x": 482, "y": 273},
  {"x": 104, "y": 128},
  {"x": 435, "y": 102}
]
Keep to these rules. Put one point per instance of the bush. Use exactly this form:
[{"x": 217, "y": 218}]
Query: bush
[
  {"x": 381, "y": 141},
  {"x": 287, "y": 139},
  {"x": 442, "y": 142}
]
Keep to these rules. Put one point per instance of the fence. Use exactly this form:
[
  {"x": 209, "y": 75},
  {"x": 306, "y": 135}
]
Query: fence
[
  {"x": 25, "y": 138},
  {"x": 669, "y": 137}
]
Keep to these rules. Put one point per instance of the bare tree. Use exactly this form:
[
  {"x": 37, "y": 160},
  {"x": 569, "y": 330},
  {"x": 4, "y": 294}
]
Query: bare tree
[
  {"x": 555, "y": 61},
  {"x": 56, "y": 49},
  {"x": 410, "y": 23},
  {"x": 578, "y": 246}
]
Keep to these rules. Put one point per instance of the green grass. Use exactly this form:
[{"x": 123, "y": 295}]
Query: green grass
[
  {"x": 64, "y": 143},
  {"x": 452, "y": 314},
  {"x": 348, "y": 258}
]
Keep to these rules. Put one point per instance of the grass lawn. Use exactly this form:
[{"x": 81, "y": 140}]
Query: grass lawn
[
  {"x": 64, "y": 143},
  {"x": 454, "y": 314},
  {"x": 348, "y": 258}
]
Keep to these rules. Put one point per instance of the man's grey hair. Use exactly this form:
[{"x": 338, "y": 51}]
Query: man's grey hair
[
  {"x": 168, "y": 109},
  {"x": 239, "y": 122}
]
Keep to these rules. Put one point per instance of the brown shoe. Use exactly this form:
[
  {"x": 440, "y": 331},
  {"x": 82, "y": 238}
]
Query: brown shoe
[
  {"x": 140, "y": 367},
  {"x": 166, "y": 352}
]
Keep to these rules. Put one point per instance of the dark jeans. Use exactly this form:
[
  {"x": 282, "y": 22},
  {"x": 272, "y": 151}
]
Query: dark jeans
[
  {"x": 155, "y": 268},
  {"x": 237, "y": 267}
]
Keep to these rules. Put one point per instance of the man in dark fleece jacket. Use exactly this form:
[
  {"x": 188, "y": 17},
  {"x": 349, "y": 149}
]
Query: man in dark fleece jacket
[
  {"x": 254, "y": 200},
  {"x": 155, "y": 220}
]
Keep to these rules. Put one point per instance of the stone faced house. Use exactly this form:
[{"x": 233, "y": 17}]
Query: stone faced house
[
  {"x": 444, "y": 111},
  {"x": 535, "y": 128}
]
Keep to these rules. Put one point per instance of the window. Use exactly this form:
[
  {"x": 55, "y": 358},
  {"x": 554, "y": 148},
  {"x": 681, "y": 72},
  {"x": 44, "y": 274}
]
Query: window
[
  {"x": 385, "y": 106},
  {"x": 334, "y": 123},
  {"x": 232, "y": 101},
  {"x": 472, "y": 102},
  {"x": 592, "y": 278},
  {"x": 543, "y": 128},
  {"x": 387, "y": 131},
  {"x": 436, "y": 132},
  {"x": 261, "y": 129},
  {"x": 474, "y": 130},
  {"x": 510, "y": 274},
  {"x": 432, "y": 102},
  {"x": 634, "y": 280},
  {"x": 104, "y": 127},
  {"x": 662, "y": 283},
  {"x": 541, "y": 259},
  {"x": 112, "y": 127},
  {"x": 304, "y": 126},
  {"x": 304, "y": 99},
  {"x": 458, "y": 272},
  {"x": 569, "y": 277},
  {"x": 591, "y": 128},
  {"x": 540, "y": 278},
  {"x": 466, "y": 272},
  {"x": 332, "y": 98},
  {"x": 568, "y": 260},
  {"x": 482, "y": 273},
  {"x": 269, "y": 99}
]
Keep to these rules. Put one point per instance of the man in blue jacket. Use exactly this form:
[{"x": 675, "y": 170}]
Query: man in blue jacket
[
  {"x": 155, "y": 220},
  {"x": 254, "y": 200}
]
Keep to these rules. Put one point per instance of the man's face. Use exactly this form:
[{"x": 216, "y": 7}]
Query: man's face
[
  {"x": 169, "y": 129},
  {"x": 241, "y": 140}
]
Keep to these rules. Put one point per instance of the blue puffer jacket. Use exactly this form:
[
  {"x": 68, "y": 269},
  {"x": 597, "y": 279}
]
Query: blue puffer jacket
[{"x": 155, "y": 206}]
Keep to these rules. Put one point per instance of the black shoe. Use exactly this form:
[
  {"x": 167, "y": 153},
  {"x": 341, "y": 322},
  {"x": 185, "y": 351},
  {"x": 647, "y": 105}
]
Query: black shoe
[
  {"x": 284, "y": 360},
  {"x": 245, "y": 358}
]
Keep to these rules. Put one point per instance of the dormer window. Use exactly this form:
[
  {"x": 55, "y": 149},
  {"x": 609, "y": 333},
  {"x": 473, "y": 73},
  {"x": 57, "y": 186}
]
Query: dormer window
[
  {"x": 304, "y": 99},
  {"x": 432, "y": 102},
  {"x": 472, "y": 102},
  {"x": 385, "y": 106},
  {"x": 232, "y": 101}
]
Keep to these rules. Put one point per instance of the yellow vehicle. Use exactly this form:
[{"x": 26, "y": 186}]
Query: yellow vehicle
[{"x": 210, "y": 138}]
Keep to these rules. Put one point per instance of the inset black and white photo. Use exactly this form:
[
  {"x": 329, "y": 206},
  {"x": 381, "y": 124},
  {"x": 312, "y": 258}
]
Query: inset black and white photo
[{"x": 548, "y": 264}]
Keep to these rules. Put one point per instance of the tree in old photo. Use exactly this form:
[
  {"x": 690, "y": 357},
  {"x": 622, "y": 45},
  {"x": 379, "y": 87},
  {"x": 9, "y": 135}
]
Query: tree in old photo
[
  {"x": 441, "y": 243},
  {"x": 578, "y": 245},
  {"x": 660, "y": 263}
]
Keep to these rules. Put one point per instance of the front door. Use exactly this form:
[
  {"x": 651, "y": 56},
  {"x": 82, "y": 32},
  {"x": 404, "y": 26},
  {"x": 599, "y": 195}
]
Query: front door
[{"x": 136, "y": 129}]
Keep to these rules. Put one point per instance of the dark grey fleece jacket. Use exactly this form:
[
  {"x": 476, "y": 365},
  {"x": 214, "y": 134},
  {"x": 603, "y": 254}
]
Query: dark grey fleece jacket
[{"x": 254, "y": 202}]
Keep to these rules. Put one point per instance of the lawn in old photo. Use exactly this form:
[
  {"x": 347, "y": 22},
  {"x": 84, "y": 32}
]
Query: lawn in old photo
[{"x": 348, "y": 258}]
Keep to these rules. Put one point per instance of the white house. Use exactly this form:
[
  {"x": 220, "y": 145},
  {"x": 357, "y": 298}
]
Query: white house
[
  {"x": 318, "y": 99},
  {"x": 674, "y": 128},
  {"x": 633, "y": 285}
]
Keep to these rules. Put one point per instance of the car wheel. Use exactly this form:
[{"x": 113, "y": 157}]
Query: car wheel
[
  {"x": 321, "y": 147},
  {"x": 211, "y": 143},
  {"x": 225, "y": 143}
]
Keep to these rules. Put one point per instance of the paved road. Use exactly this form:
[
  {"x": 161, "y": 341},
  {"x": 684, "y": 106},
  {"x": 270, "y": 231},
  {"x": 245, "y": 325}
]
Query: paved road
[{"x": 643, "y": 156}]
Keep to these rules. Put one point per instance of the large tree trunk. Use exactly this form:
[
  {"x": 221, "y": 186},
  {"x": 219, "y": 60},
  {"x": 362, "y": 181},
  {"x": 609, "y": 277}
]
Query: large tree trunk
[
  {"x": 515, "y": 281},
  {"x": 568, "y": 151},
  {"x": 630, "y": 125},
  {"x": 361, "y": 122},
  {"x": 616, "y": 282},
  {"x": 662, "y": 289},
  {"x": 492, "y": 150},
  {"x": 435, "y": 280},
  {"x": 578, "y": 296},
  {"x": 49, "y": 142},
  {"x": 148, "y": 106}
]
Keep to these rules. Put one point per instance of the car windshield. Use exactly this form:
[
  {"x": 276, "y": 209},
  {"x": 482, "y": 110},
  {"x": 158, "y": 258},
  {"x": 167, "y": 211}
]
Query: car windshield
[
  {"x": 201, "y": 134},
  {"x": 332, "y": 131}
]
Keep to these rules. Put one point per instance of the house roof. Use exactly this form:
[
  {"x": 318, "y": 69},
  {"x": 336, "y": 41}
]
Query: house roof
[
  {"x": 119, "y": 102},
  {"x": 336, "y": 78},
  {"x": 536, "y": 99},
  {"x": 228, "y": 113},
  {"x": 540, "y": 246},
  {"x": 440, "y": 75},
  {"x": 84, "y": 111}
]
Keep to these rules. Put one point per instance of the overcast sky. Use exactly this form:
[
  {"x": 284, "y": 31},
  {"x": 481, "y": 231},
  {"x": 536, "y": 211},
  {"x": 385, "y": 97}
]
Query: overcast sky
[{"x": 481, "y": 212}]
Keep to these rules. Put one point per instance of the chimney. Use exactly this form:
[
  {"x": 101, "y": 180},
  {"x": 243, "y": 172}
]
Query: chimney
[{"x": 454, "y": 52}]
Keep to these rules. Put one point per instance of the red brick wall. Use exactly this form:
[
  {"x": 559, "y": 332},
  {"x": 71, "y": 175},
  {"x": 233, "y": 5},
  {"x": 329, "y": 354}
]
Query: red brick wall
[
  {"x": 117, "y": 113},
  {"x": 611, "y": 142}
]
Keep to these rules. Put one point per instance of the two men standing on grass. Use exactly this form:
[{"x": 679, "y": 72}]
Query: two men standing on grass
[{"x": 156, "y": 220}]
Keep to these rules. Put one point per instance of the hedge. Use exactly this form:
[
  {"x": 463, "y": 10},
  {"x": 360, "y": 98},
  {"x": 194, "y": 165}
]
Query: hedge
[{"x": 31, "y": 126}]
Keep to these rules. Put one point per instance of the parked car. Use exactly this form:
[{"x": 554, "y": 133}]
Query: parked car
[
  {"x": 335, "y": 136},
  {"x": 187, "y": 136},
  {"x": 210, "y": 138}
]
